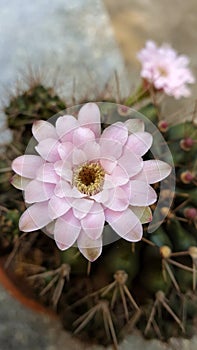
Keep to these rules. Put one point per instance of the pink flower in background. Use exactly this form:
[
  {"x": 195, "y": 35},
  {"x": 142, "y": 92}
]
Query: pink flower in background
[
  {"x": 167, "y": 71},
  {"x": 82, "y": 178}
]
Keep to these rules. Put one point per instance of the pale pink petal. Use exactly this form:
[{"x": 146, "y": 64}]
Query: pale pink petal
[
  {"x": 62, "y": 168},
  {"x": 117, "y": 131},
  {"x": 65, "y": 150},
  {"x": 27, "y": 165},
  {"x": 118, "y": 199},
  {"x": 108, "y": 183},
  {"x": 131, "y": 163},
  {"x": 154, "y": 171},
  {"x": 82, "y": 136},
  {"x": 108, "y": 164},
  {"x": 64, "y": 189},
  {"x": 37, "y": 191},
  {"x": 42, "y": 130},
  {"x": 47, "y": 173},
  {"x": 92, "y": 150},
  {"x": 141, "y": 193},
  {"x": 67, "y": 229},
  {"x": 20, "y": 182},
  {"x": 78, "y": 157},
  {"x": 65, "y": 126},
  {"x": 118, "y": 177},
  {"x": 134, "y": 125},
  {"x": 139, "y": 143},
  {"x": 81, "y": 207},
  {"x": 102, "y": 196},
  {"x": 48, "y": 149},
  {"x": 58, "y": 191},
  {"x": 110, "y": 149},
  {"x": 90, "y": 248},
  {"x": 58, "y": 207},
  {"x": 35, "y": 217},
  {"x": 93, "y": 222},
  {"x": 125, "y": 224},
  {"x": 89, "y": 116}
]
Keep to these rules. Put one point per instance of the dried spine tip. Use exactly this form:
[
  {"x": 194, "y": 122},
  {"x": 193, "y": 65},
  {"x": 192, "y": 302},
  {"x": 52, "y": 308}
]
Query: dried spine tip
[
  {"x": 193, "y": 252},
  {"x": 166, "y": 212},
  {"x": 165, "y": 194},
  {"x": 160, "y": 295},
  {"x": 165, "y": 251},
  {"x": 121, "y": 276}
]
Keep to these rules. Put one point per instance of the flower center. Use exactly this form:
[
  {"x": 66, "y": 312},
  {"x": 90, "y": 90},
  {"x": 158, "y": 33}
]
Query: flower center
[
  {"x": 89, "y": 178},
  {"x": 163, "y": 72}
]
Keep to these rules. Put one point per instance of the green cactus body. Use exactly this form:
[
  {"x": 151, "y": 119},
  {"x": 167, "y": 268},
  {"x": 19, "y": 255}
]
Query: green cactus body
[
  {"x": 121, "y": 257},
  {"x": 182, "y": 130},
  {"x": 180, "y": 237},
  {"x": 150, "y": 112},
  {"x": 160, "y": 238}
]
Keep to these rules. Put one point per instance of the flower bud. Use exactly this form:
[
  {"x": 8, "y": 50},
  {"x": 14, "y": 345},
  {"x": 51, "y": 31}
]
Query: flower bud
[
  {"x": 163, "y": 125},
  {"x": 190, "y": 213},
  {"x": 187, "y": 143},
  {"x": 186, "y": 177}
]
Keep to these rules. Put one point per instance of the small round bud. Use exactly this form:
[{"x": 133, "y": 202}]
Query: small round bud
[
  {"x": 163, "y": 125},
  {"x": 190, "y": 213},
  {"x": 186, "y": 177},
  {"x": 187, "y": 143},
  {"x": 123, "y": 110},
  {"x": 165, "y": 251}
]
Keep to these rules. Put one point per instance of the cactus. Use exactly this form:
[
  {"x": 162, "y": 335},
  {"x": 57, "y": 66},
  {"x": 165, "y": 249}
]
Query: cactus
[{"x": 125, "y": 287}]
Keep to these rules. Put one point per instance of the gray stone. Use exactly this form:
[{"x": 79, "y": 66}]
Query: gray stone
[
  {"x": 61, "y": 42},
  {"x": 63, "y": 39}
]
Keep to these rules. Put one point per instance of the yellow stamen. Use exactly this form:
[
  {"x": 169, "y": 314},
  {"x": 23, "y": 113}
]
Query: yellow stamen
[{"x": 89, "y": 178}]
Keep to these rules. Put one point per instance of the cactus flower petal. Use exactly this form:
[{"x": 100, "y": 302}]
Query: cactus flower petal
[
  {"x": 63, "y": 228},
  {"x": 90, "y": 248},
  {"x": 35, "y": 217},
  {"x": 125, "y": 223},
  {"x": 153, "y": 171},
  {"x": 43, "y": 130},
  {"x": 89, "y": 116},
  {"x": 27, "y": 165}
]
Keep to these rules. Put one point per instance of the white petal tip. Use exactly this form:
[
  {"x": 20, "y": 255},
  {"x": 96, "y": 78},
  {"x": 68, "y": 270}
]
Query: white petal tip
[
  {"x": 61, "y": 246},
  {"x": 91, "y": 254}
]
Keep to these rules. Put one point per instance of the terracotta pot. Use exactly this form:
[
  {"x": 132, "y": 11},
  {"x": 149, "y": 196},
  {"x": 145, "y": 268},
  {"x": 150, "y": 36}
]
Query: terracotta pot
[{"x": 16, "y": 293}]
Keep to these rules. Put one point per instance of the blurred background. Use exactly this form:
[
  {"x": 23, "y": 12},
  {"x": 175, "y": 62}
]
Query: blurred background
[{"x": 77, "y": 46}]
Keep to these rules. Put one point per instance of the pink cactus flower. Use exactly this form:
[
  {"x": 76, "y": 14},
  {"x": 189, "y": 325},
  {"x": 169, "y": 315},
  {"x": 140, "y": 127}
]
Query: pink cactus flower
[
  {"x": 82, "y": 178},
  {"x": 167, "y": 71}
]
